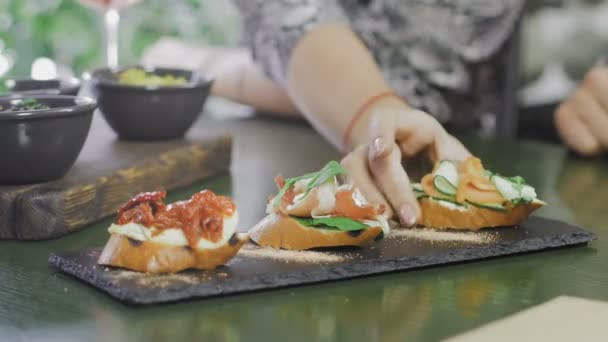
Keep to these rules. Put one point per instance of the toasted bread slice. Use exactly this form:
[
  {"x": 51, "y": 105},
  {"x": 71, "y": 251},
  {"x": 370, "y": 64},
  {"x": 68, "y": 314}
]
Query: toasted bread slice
[
  {"x": 282, "y": 231},
  {"x": 436, "y": 215},
  {"x": 154, "y": 257}
]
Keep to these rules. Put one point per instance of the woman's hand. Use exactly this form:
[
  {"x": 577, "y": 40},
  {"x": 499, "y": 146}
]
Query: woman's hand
[
  {"x": 376, "y": 167},
  {"x": 582, "y": 120}
]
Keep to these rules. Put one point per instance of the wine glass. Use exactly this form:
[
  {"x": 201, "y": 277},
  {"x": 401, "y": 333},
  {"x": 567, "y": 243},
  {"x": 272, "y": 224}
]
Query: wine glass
[{"x": 111, "y": 20}]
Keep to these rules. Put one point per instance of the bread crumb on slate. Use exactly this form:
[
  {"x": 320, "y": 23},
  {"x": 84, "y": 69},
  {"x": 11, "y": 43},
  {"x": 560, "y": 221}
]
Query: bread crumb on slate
[
  {"x": 310, "y": 257},
  {"x": 441, "y": 235},
  {"x": 161, "y": 280}
]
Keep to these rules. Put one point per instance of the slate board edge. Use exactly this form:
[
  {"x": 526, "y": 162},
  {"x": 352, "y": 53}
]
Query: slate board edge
[{"x": 326, "y": 273}]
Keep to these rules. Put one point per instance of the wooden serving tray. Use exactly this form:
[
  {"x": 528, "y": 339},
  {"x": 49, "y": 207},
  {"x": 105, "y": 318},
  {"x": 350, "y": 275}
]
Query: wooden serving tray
[
  {"x": 256, "y": 268},
  {"x": 108, "y": 173}
]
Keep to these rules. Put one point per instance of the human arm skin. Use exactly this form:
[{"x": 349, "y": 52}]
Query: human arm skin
[
  {"x": 330, "y": 75},
  {"x": 243, "y": 82},
  {"x": 236, "y": 76},
  {"x": 582, "y": 119}
]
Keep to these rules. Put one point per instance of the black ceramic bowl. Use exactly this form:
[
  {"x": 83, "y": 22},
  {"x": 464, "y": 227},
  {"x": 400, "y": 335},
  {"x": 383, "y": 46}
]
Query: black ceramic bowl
[
  {"x": 28, "y": 86},
  {"x": 150, "y": 112},
  {"x": 42, "y": 145}
]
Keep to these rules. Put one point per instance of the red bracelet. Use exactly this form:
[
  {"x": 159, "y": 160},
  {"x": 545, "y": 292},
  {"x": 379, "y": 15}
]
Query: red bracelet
[{"x": 362, "y": 110}]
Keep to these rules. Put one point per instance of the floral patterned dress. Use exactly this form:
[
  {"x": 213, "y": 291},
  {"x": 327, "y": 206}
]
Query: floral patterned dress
[{"x": 442, "y": 56}]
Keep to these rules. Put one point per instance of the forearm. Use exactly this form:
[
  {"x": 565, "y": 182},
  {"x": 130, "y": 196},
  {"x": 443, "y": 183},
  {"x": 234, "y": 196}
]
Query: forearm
[
  {"x": 331, "y": 74},
  {"x": 236, "y": 75},
  {"x": 242, "y": 81}
]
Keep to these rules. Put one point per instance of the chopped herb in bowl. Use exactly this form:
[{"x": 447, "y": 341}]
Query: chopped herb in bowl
[{"x": 24, "y": 104}]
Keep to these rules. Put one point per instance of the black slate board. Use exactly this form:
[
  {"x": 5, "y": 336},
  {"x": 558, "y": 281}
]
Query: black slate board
[{"x": 249, "y": 272}]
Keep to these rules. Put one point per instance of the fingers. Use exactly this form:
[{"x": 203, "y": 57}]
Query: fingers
[
  {"x": 596, "y": 82},
  {"x": 449, "y": 148},
  {"x": 391, "y": 178},
  {"x": 419, "y": 132},
  {"x": 592, "y": 114},
  {"x": 574, "y": 132},
  {"x": 382, "y": 133},
  {"x": 582, "y": 120},
  {"x": 355, "y": 164},
  {"x": 413, "y": 144}
]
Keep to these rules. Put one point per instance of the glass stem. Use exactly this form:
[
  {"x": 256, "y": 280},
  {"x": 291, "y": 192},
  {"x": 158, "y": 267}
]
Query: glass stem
[{"x": 111, "y": 22}]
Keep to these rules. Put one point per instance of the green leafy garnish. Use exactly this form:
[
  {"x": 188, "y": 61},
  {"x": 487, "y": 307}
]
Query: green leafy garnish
[
  {"x": 329, "y": 171},
  {"x": 344, "y": 224},
  {"x": 27, "y": 104},
  {"x": 521, "y": 200},
  {"x": 518, "y": 180}
]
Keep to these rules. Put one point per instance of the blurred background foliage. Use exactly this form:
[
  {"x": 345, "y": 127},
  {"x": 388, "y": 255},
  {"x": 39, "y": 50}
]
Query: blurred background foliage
[
  {"x": 72, "y": 34},
  {"x": 572, "y": 33}
]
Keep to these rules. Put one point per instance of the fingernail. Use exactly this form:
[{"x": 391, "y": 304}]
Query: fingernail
[
  {"x": 379, "y": 146},
  {"x": 407, "y": 215}
]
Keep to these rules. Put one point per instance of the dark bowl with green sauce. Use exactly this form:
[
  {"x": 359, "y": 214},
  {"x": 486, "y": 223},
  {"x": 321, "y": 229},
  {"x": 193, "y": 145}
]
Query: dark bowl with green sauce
[
  {"x": 154, "y": 111},
  {"x": 41, "y": 136}
]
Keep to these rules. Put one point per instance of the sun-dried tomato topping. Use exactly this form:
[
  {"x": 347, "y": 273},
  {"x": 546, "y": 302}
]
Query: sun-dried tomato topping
[
  {"x": 200, "y": 217},
  {"x": 142, "y": 208}
]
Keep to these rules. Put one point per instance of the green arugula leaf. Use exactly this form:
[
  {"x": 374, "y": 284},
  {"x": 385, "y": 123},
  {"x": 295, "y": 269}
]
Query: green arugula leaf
[
  {"x": 344, "y": 224},
  {"x": 330, "y": 170}
]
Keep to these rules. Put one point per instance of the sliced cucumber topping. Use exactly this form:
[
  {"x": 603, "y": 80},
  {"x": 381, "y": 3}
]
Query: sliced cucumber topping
[
  {"x": 419, "y": 194},
  {"x": 444, "y": 186},
  {"x": 417, "y": 187},
  {"x": 497, "y": 207},
  {"x": 445, "y": 178},
  {"x": 449, "y": 172},
  {"x": 451, "y": 204},
  {"x": 418, "y": 191},
  {"x": 448, "y": 200}
]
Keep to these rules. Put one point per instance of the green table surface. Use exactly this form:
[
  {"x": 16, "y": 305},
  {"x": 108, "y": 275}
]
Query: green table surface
[{"x": 38, "y": 303}]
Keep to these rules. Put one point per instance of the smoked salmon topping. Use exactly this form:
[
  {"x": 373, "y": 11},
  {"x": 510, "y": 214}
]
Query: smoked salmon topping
[
  {"x": 347, "y": 207},
  {"x": 474, "y": 184},
  {"x": 289, "y": 195}
]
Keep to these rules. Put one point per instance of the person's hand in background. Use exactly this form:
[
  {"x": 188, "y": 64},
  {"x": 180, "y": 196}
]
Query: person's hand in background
[
  {"x": 397, "y": 132},
  {"x": 236, "y": 76},
  {"x": 582, "y": 120}
]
